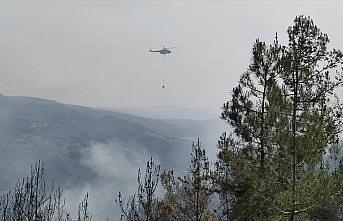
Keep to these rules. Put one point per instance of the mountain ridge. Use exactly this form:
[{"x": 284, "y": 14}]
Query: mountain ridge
[
  {"x": 33, "y": 126},
  {"x": 86, "y": 149}
]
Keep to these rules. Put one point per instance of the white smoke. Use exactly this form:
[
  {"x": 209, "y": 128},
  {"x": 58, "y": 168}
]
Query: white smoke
[{"x": 116, "y": 165}]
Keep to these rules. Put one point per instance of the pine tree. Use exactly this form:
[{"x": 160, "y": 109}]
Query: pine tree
[
  {"x": 189, "y": 197},
  {"x": 309, "y": 74},
  {"x": 251, "y": 112},
  {"x": 33, "y": 200},
  {"x": 145, "y": 205},
  {"x": 227, "y": 177},
  {"x": 283, "y": 112}
]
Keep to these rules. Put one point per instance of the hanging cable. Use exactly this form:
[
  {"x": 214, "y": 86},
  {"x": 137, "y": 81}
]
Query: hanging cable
[{"x": 164, "y": 73}]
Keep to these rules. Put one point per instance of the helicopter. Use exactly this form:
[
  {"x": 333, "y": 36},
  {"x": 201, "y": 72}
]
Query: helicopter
[{"x": 163, "y": 51}]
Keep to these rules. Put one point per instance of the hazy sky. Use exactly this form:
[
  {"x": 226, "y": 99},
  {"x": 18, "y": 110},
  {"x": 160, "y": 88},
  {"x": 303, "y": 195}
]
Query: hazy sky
[{"x": 95, "y": 53}]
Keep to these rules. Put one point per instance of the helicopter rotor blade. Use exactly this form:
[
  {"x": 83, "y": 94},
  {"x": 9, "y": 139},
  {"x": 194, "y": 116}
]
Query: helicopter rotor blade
[{"x": 171, "y": 47}]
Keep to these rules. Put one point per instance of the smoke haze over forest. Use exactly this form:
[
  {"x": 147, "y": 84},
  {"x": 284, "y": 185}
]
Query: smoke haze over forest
[{"x": 80, "y": 91}]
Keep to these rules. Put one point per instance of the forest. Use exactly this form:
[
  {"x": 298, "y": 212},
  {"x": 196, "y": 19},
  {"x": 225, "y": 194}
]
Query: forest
[{"x": 283, "y": 160}]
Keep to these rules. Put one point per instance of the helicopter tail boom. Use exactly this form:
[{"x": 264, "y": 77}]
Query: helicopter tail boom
[{"x": 150, "y": 50}]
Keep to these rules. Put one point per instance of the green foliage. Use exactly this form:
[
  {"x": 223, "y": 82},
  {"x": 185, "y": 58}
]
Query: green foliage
[{"x": 286, "y": 118}]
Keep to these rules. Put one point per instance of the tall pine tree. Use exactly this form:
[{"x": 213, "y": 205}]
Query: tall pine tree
[{"x": 286, "y": 119}]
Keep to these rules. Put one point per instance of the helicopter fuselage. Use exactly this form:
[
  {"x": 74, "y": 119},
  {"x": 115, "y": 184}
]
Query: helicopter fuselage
[{"x": 163, "y": 51}]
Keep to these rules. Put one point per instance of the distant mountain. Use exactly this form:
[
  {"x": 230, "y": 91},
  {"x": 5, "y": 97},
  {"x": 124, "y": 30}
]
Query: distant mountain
[
  {"x": 58, "y": 134},
  {"x": 171, "y": 112},
  {"x": 92, "y": 149}
]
